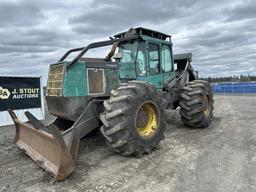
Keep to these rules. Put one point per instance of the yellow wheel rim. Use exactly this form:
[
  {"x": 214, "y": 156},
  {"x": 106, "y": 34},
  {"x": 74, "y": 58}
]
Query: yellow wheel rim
[
  {"x": 147, "y": 119},
  {"x": 207, "y": 105}
]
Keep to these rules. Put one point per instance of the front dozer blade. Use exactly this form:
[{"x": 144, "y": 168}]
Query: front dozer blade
[
  {"x": 45, "y": 145},
  {"x": 54, "y": 147}
]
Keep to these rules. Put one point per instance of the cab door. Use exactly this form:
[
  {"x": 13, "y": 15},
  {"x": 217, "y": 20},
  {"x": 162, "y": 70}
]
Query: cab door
[
  {"x": 167, "y": 63},
  {"x": 154, "y": 67}
]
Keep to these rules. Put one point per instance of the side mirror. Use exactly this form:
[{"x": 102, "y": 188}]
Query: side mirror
[{"x": 118, "y": 56}]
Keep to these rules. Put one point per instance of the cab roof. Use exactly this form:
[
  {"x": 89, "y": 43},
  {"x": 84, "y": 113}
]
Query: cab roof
[
  {"x": 184, "y": 56},
  {"x": 144, "y": 31}
]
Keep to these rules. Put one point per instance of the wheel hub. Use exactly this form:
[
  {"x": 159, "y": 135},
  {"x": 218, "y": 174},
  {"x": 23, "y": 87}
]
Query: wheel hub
[
  {"x": 147, "y": 119},
  {"x": 207, "y": 105}
]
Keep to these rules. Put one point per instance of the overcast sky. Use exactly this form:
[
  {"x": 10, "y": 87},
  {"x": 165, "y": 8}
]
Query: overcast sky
[{"x": 221, "y": 34}]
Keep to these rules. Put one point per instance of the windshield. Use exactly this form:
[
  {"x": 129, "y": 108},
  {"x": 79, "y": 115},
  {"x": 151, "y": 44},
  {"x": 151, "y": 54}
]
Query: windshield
[{"x": 128, "y": 51}]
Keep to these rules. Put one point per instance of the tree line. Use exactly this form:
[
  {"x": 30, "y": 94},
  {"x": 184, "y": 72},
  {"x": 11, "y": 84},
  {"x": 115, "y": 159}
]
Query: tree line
[{"x": 241, "y": 78}]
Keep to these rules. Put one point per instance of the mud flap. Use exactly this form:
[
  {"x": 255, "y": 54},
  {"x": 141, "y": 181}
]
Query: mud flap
[{"x": 45, "y": 145}]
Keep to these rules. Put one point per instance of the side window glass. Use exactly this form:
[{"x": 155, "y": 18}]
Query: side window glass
[
  {"x": 167, "y": 60},
  {"x": 141, "y": 59},
  {"x": 154, "y": 64}
]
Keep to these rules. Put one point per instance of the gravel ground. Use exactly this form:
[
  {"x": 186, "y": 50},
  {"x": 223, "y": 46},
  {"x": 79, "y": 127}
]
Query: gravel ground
[{"x": 219, "y": 158}]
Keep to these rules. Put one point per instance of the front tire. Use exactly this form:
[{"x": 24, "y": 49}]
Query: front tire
[
  {"x": 196, "y": 104},
  {"x": 134, "y": 119}
]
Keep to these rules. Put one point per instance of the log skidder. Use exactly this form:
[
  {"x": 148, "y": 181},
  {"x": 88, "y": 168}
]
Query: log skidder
[
  {"x": 146, "y": 78},
  {"x": 134, "y": 119}
]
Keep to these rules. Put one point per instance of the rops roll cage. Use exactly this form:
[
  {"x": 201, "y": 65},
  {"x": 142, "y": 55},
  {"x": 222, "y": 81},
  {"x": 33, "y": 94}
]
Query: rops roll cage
[{"x": 92, "y": 46}]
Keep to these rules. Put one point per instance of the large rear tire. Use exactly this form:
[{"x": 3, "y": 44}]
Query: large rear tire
[
  {"x": 134, "y": 119},
  {"x": 196, "y": 104}
]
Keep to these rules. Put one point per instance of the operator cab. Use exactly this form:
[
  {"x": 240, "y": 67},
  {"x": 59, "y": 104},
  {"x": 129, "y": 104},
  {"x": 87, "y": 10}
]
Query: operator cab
[{"x": 149, "y": 58}]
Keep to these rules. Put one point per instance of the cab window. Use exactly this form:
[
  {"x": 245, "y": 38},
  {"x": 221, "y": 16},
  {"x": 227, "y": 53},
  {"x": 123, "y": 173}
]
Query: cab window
[
  {"x": 154, "y": 61},
  {"x": 128, "y": 51},
  {"x": 141, "y": 59},
  {"x": 167, "y": 58}
]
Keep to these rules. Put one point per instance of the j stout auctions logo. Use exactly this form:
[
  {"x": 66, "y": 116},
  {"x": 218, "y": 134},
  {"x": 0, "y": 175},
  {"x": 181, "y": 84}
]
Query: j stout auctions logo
[
  {"x": 24, "y": 93},
  {"x": 21, "y": 93},
  {"x": 4, "y": 93}
]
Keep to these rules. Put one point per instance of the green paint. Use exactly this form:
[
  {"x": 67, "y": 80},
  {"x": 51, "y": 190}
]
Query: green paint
[
  {"x": 75, "y": 80},
  {"x": 112, "y": 81},
  {"x": 134, "y": 52},
  {"x": 127, "y": 70},
  {"x": 147, "y": 38}
]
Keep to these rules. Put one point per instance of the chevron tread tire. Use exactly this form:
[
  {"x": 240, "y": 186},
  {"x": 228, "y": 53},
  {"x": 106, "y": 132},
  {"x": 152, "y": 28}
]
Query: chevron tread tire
[
  {"x": 196, "y": 104},
  {"x": 120, "y": 114}
]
